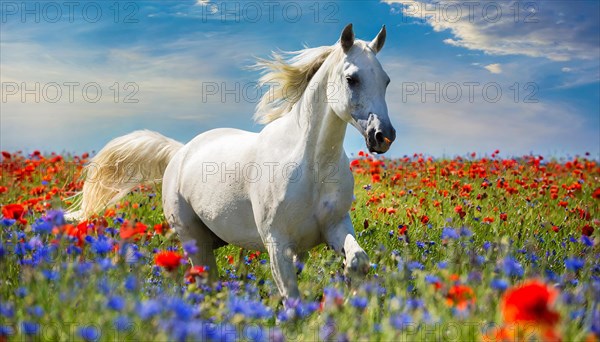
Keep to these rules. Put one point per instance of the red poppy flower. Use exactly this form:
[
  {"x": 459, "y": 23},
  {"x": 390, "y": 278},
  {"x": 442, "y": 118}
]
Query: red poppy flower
[
  {"x": 526, "y": 312},
  {"x": 459, "y": 210},
  {"x": 488, "y": 219},
  {"x": 587, "y": 230},
  {"x": 14, "y": 212},
  {"x": 168, "y": 260},
  {"x": 193, "y": 272},
  {"x": 460, "y": 296},
  {"x": 79, "y": 231},
  {"x": 127, "y": 230},
  {"x": 503, "y": 216},
  {"x": 402, "y": 229},
  {"x": 596, "y": 194},
  {"x": 530, "y": 303}
]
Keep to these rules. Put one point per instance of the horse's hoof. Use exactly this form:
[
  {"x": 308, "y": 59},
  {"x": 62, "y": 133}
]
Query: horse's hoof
[{"x": 360, "y": 264}]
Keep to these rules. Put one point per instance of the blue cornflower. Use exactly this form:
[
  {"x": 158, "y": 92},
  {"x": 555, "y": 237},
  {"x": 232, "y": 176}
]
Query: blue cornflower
[
  {"x": 89, "y": 333},
  {"x": 442, "y": 264},
  {"x": 116, "y": 303},
  {"x": 464, "y": 231},
  {"x": 586, "y": 240},
  {"x": 431, "y": 279},
  {"x": 449, "y": 233},
  {"x": 131, "y": 283},
  {"x": 102, "y": 246},
  {"x": 105, "y": 264},
  {"x": 359, "y": 302},
  {"x": 479, "y": 260},
  {"x": 50, "y": 275},
  {"x": 190, "y": 247},
  {"x": 574, "y": 264},
  {"x": 512, "y": 268},
  {"x": 8, "y": 222},
  {"x": 499, "y": 284},
  {"x": 42, "y": 226},
  {"x": 122, "y": 323},
  {"x": 400, "y": 321},
  {"x": 34, "y": 243},
  {"x": 551, "y": 276},
  {"x": 56, "y": 217},
  {"x": 487, "y": 245},
  {"x": 83, "y": 268},
  {"x": 250, "y": 309},
  {"x": 149, "y": 309},
  {"x": 7, "y": 310},
  {"x": 414, "y": 303},
  {"x": 74, "y": 250},
  {"x": 21, "y": 292},
  {"x": 182, "y": 310},
  {"x": 30, "y": 328},
  {"x": 36, "y": 311},
  {"x": 415, "y": 265},
  {"x": 6, "y": 330}
]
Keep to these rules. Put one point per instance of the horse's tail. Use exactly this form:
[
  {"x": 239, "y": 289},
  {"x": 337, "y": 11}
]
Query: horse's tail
[{"x": 125, "y": 162}]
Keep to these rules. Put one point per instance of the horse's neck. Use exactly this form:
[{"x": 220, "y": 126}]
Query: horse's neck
[{"x": 321, "y": 130}]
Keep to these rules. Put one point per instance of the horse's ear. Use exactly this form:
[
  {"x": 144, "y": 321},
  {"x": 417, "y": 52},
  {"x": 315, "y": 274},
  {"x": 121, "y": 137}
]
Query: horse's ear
[
  {"x": 347, "y": 38},
  {"x": 377, "y": 44}
]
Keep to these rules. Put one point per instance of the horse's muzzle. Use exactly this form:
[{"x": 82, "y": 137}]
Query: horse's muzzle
[{"x": 379, "y": 136}]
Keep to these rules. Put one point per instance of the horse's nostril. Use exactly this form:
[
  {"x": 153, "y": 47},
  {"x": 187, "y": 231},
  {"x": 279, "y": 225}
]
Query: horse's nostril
[{"x": 379, "y": 137}]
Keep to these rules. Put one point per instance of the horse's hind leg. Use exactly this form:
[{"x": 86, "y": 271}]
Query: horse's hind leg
[{"x": 187, "y": 224}]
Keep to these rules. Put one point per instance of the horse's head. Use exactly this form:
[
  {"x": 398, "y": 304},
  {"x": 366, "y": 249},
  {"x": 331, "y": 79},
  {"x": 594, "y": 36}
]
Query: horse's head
[{"x": 358, "y": 92}]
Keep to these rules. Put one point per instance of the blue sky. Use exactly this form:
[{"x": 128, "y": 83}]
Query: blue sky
[{"x": 543, "y": 56}]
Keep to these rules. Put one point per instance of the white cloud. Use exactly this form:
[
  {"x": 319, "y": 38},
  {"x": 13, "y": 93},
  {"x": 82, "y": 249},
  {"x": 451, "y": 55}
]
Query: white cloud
[
  {"x": 516, "y": 127},
  {"x": 566, "y": 69},
  {"x": 168, "y": 82},
  {"x": 513, "y": 27},
  {"x": 495, "y": 68}
]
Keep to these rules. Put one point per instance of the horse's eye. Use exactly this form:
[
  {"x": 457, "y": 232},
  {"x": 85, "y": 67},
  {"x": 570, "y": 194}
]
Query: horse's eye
[{"x": 351, "y": 80}]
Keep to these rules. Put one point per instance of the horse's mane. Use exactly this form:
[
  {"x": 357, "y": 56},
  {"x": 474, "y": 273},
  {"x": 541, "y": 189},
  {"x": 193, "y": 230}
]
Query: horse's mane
[{"x": 287, "y": 75}]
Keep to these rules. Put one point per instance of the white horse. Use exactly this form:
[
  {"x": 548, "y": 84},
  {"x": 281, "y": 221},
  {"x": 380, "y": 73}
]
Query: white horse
[{"x": 283, "y": 190}]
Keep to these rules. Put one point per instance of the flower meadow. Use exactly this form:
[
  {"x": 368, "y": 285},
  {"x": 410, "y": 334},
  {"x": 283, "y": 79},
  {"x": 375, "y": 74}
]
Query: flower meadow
[{"x": 470, "y": 248}]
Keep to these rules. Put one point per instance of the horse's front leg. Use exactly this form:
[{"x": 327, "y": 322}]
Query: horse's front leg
[
  {"x": 281, "y": 254},
  {"x": 340, "y": 236}
]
